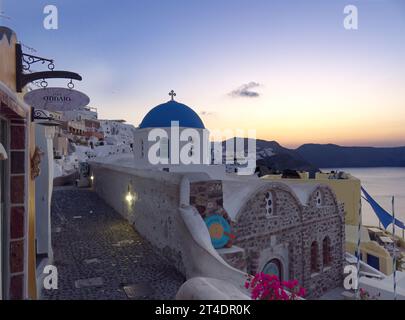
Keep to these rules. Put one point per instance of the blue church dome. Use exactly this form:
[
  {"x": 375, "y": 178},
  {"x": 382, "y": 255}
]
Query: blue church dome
[{"x": 162, "y": 115}]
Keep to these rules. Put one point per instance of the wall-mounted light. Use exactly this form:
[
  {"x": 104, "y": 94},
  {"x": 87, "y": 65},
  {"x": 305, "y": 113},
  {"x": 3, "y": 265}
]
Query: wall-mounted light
[{"x": 129, "y": 197}]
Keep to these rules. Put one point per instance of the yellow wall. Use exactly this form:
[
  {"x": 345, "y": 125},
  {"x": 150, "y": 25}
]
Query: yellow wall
[
  {"x": 347, "y": 191},
  {"x": 7, "y": 62},
  {"x": 376, "y": 250},
  {"x": 8, "y": 77},
  {"x": 303, "y": 175}
]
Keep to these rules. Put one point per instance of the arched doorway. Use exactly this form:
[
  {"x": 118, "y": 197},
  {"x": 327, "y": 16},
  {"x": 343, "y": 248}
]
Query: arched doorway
[{"x": 274, "y": 267}]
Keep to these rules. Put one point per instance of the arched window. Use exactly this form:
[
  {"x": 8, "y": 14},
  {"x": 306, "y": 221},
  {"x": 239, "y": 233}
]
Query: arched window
[
  {"x": 326, "y": 252},
  {"x": 314, "y": 257},
  {"x": 269, "y": 204},
  {"x": 274, "y": 267},
  {"x": 191, "y": 151}
]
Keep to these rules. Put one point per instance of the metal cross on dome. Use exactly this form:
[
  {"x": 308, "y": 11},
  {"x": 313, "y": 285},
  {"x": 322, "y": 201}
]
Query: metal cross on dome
[{"x": 172, "y": 94}]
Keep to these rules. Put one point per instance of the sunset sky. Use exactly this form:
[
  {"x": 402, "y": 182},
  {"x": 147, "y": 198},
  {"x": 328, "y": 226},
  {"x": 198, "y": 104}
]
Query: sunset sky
[{"x": 309, "y": 80}]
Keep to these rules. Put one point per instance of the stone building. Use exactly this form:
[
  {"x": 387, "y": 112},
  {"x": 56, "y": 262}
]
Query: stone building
[{"x": 292, "y": 231}]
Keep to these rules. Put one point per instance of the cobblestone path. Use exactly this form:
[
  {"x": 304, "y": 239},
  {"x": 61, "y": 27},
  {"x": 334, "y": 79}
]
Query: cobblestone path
[{"x": 99, "y": 255}]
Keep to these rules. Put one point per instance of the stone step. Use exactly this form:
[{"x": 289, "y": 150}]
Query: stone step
[{"x": 234, "y": 256}]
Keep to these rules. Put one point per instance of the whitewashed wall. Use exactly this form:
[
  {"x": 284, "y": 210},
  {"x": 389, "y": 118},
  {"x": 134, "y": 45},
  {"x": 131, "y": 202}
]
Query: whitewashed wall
[
  {"x": 154, "y": 210},
  {"x": 161, "y": 213},
  {"x": 43, "y": 190}
]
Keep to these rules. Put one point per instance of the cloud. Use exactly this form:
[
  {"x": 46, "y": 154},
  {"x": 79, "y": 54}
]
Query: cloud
[
  {"x": 245, "y": 91},
  {"x": 206, "y": 113}
]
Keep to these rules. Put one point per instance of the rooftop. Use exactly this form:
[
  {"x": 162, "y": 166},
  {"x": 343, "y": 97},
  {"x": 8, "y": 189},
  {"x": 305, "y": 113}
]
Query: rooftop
[{"x": 162, "y": 115}]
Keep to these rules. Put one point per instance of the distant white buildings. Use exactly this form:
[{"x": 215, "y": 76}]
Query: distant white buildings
[
  {"x": 122, "y": 132},
  {"x": 82, "y": 136},
  {"x": 80, "y": 114}
]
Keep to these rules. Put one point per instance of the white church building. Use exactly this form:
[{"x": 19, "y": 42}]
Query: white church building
[{"x": 173, "y": 138}]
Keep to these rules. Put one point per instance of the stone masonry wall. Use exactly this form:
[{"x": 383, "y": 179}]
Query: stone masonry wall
[
  {"x": 207, "y": 197},
  {"x": 296, "y": 227},
  {"x": 235, "y": 257}
]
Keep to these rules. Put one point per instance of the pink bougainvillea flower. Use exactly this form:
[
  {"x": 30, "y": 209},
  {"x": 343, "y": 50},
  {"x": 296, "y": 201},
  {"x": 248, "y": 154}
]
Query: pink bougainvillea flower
[{"x": 269, "y": 287}]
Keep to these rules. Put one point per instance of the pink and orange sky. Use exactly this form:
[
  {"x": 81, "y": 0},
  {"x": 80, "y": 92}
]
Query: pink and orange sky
[{"x": 312, "y": 80}]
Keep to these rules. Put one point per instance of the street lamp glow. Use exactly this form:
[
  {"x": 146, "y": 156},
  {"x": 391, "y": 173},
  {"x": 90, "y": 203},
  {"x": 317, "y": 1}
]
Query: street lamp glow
[{"x": 129, "y": 197}]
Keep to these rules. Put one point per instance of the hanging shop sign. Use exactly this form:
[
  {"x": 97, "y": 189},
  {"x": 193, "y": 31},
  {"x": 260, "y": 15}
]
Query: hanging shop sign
[{"x": 56, "y": 99}]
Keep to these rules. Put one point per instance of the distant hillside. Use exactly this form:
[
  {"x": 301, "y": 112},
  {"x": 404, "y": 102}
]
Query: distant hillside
[
  {"x": 334, "y": 156},
  {"x": 272, "y": 157},
  {"x": 277, "y": 158}
]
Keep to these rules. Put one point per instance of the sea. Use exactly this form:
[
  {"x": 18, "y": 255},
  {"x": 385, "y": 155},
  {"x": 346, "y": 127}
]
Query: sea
[{"x": 382, "y": 184}]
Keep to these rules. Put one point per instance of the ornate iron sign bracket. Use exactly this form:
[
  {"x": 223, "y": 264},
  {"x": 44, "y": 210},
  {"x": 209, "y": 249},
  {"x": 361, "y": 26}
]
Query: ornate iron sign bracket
[
  {"x": 24, "y": 62},
  {"x": 46, "y": 119},
  {"x": 38, "y": 114}
]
